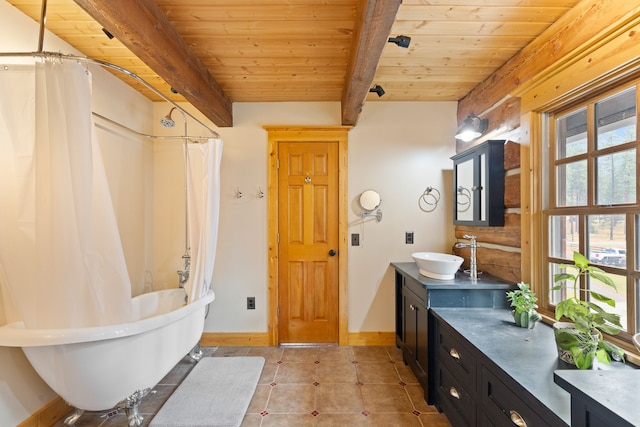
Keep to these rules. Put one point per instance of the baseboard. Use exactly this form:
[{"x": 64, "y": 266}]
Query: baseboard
[
  {"x": 372, "y": 338},
  {"x": 211, "y": 339},
  {"x": 48, "y": 415}
]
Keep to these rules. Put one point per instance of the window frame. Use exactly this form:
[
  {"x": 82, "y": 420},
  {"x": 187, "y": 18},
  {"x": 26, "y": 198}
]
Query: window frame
[{"x": 551, "y": 209}]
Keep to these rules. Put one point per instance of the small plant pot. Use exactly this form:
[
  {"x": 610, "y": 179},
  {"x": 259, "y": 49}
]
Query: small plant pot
[
  {"x": 526, "y": 319},
  {"x": 564, "y": 355}
]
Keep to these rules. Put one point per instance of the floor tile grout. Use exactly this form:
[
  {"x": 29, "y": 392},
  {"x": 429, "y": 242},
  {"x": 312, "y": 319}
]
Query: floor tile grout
[{"x": 290, "y": 401}]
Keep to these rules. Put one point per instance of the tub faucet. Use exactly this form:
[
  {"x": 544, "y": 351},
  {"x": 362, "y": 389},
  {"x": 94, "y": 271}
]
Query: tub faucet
[
  {"x": 473, "y": 266},
  {"x": 183, "y": 275}
]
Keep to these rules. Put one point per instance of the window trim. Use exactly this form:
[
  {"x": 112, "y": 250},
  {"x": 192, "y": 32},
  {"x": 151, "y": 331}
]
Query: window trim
[{"x": 548, "y": 200}]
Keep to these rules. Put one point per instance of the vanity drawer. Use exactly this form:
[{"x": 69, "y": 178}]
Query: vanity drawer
[
  {"x": 454, "y": 400},
  {"x": 505, "y": 406},
  {"x": 457, "y": 357}
]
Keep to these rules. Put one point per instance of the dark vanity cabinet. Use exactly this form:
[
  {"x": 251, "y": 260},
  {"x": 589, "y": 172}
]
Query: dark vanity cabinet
[
  {"x": 478, "y": 185},
  {"x": 602, "y": 398},
  {"x": 415, "y": 294},
  {"x": 412, "y": 333},
  {"x": 490, "y": 372}
]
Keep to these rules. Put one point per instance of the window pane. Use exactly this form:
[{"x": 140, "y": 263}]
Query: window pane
[
  {"x": 572, "y": 184},
  {"x": 560, "y": 294},
  {"x": 607, "y": 240},
  {"x": 616, "y": 178},
  {"x": 619, "y": 295},
  {"x": 563, "y": 236},
  {"x": 572, "y": 134},
  {"x": 616, "y": 119}
]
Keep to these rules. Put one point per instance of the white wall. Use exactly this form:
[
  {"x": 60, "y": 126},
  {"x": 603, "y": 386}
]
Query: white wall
[
  {"x": 397, "y": 149},
  {"x": 129, "y": 167}
]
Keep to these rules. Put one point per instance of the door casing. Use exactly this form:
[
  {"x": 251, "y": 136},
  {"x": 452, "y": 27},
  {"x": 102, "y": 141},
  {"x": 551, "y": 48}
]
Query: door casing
[{"x": 278, "y": 134}]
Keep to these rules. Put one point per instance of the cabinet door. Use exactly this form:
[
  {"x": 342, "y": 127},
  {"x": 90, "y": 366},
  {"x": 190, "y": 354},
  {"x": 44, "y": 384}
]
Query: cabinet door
[
  {"x": 478, "y": 185},
  {"x": 504, "y": 405},
  {"x": 410, "y": 329},
  {"x": 416, "y": 332}
]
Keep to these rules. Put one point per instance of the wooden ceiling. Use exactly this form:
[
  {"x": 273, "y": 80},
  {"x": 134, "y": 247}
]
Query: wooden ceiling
[{"x": 216, "y": 52}]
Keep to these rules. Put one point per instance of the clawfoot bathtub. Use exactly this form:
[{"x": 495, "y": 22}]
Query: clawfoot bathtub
[{"x": 100, "y": 368}]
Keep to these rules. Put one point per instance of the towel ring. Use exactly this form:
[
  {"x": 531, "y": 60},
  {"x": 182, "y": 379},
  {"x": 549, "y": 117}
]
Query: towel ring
[{"x": 428, "y": 201}]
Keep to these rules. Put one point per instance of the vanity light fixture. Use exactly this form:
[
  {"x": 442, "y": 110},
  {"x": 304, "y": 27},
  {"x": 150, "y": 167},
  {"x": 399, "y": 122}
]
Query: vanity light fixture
[
  {"x": 402, "y": 41},
  {"x": 377, "y": 89},
  {"x": 472, "y": 128}
]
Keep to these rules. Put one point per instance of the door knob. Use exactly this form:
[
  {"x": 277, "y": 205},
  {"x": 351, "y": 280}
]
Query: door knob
[{"x": 332, "y": 252}]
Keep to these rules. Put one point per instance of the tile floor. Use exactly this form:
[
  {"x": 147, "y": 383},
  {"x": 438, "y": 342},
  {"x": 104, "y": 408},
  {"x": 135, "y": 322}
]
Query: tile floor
[{"x": 324, "y": 386}]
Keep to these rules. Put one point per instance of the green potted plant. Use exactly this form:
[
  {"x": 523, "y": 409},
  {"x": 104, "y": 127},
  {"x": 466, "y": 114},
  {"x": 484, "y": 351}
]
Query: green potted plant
[
  {"x": 523, "y": 300},
  {"x": 582, "y": 341}
]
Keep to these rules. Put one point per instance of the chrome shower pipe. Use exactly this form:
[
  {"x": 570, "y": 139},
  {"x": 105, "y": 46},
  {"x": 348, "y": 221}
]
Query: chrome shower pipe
[{"x": 43, "y": 20}]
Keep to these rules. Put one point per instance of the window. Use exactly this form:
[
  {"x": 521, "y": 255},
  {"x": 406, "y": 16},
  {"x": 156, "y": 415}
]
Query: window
[{"x": 593, "y": 202}]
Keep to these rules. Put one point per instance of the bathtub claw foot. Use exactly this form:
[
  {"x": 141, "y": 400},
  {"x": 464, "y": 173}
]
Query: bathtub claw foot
[
  {"x": 131, "y": 407},
  {"x": 196, "y": 352},
  {"x": 73, "y": 417}
]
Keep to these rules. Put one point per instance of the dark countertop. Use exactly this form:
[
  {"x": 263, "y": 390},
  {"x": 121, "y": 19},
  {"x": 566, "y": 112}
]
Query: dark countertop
[
  {"x": 528, "y": 356},
  {"x": 461, "y": 280},
  {"x": 616, "y": 390}
]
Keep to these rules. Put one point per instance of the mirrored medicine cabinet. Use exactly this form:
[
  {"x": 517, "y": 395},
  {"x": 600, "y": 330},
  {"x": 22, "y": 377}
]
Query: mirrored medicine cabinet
[{"x": 478, "y": 185}]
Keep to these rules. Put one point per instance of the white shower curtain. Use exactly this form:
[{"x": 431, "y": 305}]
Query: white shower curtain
[
  {"x": 203, "y": 183},
  {"x": 60, "y": 248}
]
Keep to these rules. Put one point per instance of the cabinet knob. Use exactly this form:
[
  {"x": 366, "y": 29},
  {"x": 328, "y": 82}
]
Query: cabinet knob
[
  {"x": 453, "y": 392},
  {"x": 454, "y": 353},
  {"x": 517, "y": 419}
]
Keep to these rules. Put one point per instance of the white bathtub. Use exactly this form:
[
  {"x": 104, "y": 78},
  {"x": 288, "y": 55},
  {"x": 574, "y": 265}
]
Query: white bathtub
[{"x": 95, "y": 368}]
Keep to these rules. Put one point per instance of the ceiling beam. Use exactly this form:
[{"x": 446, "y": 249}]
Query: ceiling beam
[
  {"x": 147, "y": 32},
  {"x": 373, "y": 25}
]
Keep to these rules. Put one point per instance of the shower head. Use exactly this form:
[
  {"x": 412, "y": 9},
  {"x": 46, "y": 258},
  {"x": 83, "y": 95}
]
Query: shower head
[{"x": 167, "y": 121}]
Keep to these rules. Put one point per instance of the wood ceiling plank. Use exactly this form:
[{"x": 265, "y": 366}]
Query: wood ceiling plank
[
  {"x": 145, "y": 30},
  {"x": 235, "y": 12},
  {"x": 262, "y": 28},
  {"x": 462, "y": 13},
  {"x": 499, "y": 3},
  {"x": 252, "y": 3},
  {"x": 476, "y": 28},
  {"x": 373, "y": 25}
]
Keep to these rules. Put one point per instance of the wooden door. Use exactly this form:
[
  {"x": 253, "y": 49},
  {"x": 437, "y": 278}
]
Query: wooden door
[{"x": 308, "y": 286}]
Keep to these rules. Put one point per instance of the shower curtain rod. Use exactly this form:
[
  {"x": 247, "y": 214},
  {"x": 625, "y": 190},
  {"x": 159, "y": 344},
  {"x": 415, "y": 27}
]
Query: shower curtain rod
[
  {"x": 193, "y": 139},
  {"x": 134, "y": 76}
]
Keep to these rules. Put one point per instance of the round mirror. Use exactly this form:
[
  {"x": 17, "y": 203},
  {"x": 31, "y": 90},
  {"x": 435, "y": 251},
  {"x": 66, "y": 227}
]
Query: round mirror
[{"x": 369, "y": 200}]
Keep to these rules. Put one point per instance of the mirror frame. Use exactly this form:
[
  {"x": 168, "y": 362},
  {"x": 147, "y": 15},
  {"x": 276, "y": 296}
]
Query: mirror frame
[{"x": 487, "y": 191}]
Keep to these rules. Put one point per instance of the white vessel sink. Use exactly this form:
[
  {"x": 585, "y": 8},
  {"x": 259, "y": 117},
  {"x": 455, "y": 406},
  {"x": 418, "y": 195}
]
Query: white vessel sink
[
  {"x": 636, "y": 341},
  {"x": 436, "y": 265}
]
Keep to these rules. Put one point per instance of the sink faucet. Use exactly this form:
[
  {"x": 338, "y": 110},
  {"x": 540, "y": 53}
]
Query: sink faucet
[{"x": 473, "y": 266}]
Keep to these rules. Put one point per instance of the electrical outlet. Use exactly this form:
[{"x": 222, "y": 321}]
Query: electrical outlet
[
  {"x": 251, "y": 303},
  {"x": 355, "y": 239},
  {"x": 408, "y": 237}
]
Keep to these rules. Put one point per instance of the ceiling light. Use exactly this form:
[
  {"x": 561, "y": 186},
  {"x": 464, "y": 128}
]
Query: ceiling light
[
  {"x": 107, "y": 33},
  {"x": 377, "y": 89},
  {"x": 402, "y": 41},
  {"x": 472, "y": 128}
]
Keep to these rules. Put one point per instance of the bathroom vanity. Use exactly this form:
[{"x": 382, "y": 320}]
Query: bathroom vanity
[
  {"x": 415, "y": 294},
  {"x": 480, "y": 369}
]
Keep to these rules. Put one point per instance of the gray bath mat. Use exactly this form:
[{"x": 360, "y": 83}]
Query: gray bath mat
[{"x": 216, "y": 393}]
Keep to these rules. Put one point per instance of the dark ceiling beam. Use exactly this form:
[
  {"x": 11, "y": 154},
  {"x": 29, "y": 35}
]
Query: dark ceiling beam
[
  {"x": 147, "y": 32},
  {"x": 372, "y": 28}
]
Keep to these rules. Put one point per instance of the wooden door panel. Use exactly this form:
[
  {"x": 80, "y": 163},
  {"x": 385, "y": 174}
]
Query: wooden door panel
[{"x": 308, "y": 224}]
